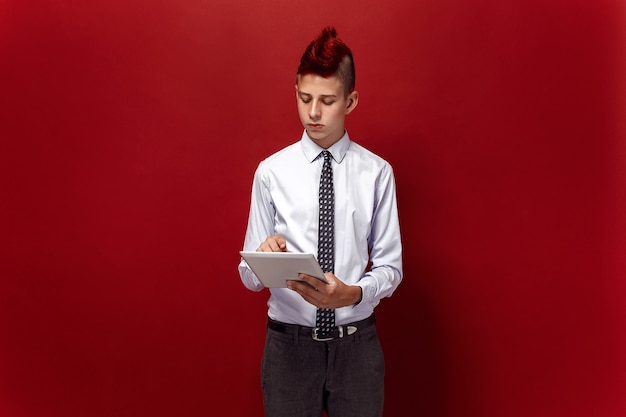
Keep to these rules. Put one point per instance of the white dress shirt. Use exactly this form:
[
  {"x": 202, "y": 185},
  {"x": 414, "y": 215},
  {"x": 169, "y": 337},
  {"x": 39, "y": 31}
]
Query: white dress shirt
[{"x": 285, "y": 200}]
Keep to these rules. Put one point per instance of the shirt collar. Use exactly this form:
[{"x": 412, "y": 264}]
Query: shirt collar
[{"x": 312, "y": 150}]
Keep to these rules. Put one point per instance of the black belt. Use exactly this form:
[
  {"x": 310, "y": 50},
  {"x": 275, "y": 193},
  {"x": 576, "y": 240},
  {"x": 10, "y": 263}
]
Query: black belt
[{"x": 336, "y": 332}]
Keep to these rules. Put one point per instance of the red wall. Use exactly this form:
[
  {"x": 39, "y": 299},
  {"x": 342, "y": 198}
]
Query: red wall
[{"x": 130, "y": 133}]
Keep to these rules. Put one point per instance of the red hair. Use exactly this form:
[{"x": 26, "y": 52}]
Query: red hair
[{"x": 328, "y": 56}]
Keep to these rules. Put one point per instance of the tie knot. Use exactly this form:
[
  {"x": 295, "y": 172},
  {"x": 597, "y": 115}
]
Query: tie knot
[{"x": 326, "y": 154}]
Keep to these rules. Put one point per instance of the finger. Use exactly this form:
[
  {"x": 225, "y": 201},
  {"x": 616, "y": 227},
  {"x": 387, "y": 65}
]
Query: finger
[
  {"x": 280, "y": 242},
  {"x": 275, "y": 247},
  {"x": 301, "y": 286},
  {"x": 264, "y": 247},
  {"x": 309, "y": 300},
  {"x": 277, "y": 243},
  {"x": 306, "y": 291},
  {"x": 313, "y": 282}
]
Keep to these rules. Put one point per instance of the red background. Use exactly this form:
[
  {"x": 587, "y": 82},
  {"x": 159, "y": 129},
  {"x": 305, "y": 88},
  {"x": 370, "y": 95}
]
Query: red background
[{"x": 130, "y": 133}]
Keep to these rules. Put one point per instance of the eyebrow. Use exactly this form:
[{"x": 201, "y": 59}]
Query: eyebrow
[{"x": 322, "y": 96}]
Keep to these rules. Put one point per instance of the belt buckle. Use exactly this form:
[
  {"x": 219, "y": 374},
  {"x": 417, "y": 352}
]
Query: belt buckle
[
  {"x": 319, "y": 339},
  {"x": 349, "y": 330}
]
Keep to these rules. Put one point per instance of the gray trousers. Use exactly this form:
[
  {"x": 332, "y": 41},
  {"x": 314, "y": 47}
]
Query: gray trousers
[{"x": 301, "y": 377}]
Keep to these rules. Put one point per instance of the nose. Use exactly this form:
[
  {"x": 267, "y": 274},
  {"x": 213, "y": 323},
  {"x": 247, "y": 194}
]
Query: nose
[{"x": 314, "y": 110}]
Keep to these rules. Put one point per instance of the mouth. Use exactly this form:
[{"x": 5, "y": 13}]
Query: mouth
[{"x": 315, "y": 126}]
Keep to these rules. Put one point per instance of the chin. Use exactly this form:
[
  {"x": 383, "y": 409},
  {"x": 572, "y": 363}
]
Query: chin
[{"x": 316, "y": 135}]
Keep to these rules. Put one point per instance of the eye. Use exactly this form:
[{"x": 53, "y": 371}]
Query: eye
[
  {"x": 305, "y": 100},
  {"x": 328, "y": 102}
]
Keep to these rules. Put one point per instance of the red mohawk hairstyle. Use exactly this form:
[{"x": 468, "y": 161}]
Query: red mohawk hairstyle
[{"x": 328, "y": 56}]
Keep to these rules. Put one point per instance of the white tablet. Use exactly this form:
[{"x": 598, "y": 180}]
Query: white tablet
[{"x": 273, "y": 269}]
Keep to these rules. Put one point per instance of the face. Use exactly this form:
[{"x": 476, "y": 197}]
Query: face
[{"x": 323, "y": 106}]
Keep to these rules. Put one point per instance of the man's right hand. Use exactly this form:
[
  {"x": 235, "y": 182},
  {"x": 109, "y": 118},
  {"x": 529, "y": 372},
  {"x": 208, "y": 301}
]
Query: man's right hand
[{"x": 276, "y": 243}]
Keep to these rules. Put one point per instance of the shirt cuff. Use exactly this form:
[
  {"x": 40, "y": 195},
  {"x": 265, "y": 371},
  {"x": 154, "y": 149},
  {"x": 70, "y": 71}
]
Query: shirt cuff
[{"x": 367, "y": 294}]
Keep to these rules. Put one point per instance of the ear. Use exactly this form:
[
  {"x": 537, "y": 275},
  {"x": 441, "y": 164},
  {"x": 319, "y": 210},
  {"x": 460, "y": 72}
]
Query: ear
[{"x": 352, "y": 101}]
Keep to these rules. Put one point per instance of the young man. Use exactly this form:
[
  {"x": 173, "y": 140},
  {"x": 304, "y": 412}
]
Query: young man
[{"x": 322, "y": 351}]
